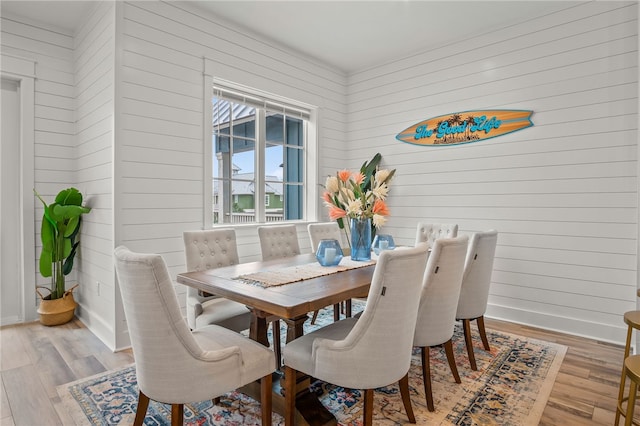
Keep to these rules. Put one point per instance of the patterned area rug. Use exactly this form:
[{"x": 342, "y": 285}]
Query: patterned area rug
[{"x": 511, "y": 387}]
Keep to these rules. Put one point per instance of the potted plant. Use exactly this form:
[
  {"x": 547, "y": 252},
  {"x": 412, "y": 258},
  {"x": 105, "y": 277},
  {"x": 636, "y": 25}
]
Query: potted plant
[{"x": 60, "y": 227}]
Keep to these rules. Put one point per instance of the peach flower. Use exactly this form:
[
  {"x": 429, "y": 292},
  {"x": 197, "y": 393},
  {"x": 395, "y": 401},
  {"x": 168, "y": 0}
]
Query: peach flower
[
  {"x": 380, "y": 207},
  {"x": 336, "y": 213},
  {"x": 344, "y": 175}
]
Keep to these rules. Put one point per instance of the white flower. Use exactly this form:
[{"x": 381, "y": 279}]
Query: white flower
[
  {"x": 381, "y": 191},
  {"x": 354, "y": 208},
  {"x": 379, "y": 220},
  {"x": 331, "y": 184},
  {"x": 381, "y": 175}
]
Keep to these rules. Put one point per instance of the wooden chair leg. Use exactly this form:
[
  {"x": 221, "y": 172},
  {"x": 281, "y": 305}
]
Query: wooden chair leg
[
  {"x": 315, "y": 316},
  {"x": 368, "y": 407},
  {"x": 277, "y": 348},
  {"x": 347, "y": 308},
  {"x": 426, "y": 378},
  {"x": 336, "y": 312},
  {"x": 628, "y": 421},
  {"x": 466, "y": 325},
  {"x": 289, "y": 396},
  {"x": 627, "y": 348},
  {"x": 483, "y": 333},
  {"x": 403, "y": 384},
  {"x": 448, "y": 349},
  {"x": 266, "y": 395},
  {"x": 177, "y": 414},
  {"x": 141, "y": 411}
]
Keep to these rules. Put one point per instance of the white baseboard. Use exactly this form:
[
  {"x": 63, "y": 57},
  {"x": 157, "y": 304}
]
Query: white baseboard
[
  {"x": 615, "y": 334},
  {"x": 98, "y": 326}
]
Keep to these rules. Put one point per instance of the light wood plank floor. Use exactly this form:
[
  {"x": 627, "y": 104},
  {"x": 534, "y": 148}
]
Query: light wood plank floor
[{"x": 36, "y": 359}]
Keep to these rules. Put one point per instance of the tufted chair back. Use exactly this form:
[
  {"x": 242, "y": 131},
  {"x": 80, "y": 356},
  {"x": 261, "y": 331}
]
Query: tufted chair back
[
  {"x": 211, "y": 248},
  {"x": 323, "y": 231},
  {"x": 278, "y": 241},
  {"x": 430, "y": 232}
]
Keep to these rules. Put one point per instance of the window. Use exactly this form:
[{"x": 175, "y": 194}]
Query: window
[{"x": 259, "y": 149}]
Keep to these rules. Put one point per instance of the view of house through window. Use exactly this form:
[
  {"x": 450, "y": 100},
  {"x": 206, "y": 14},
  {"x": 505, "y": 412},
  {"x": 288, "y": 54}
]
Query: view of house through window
[{"x": 245, "y": 133}]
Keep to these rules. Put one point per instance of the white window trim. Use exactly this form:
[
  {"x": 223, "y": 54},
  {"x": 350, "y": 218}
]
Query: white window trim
[{"x": 311, "y": 180}]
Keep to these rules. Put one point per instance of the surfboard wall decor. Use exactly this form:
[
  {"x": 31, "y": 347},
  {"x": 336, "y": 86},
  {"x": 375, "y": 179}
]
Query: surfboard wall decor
[{"x": 466, "y": 127}]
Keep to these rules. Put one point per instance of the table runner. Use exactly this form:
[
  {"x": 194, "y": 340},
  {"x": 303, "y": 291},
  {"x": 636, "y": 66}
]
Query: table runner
[{"x": 292, "y": 274}]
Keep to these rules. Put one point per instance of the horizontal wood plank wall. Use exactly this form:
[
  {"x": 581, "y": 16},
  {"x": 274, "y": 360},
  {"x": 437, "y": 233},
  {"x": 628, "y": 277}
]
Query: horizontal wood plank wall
[
  {"x": 161, "y": 120},
  {"x": 93, "y": 151},
  {"x": 51, "y": 49},
  {"x": 562, "y": 194}
]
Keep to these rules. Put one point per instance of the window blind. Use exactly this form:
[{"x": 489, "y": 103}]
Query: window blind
[{"x": 260, "y": 100}]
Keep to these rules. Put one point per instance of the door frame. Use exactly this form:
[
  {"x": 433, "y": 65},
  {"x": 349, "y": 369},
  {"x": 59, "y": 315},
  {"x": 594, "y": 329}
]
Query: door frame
[{"x": 23, "y": 71}]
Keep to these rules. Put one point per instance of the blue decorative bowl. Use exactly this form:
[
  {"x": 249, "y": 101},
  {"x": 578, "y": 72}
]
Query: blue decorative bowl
[
  {"x": 329, "y": 253},
  {"x": 383, "y": 242}
]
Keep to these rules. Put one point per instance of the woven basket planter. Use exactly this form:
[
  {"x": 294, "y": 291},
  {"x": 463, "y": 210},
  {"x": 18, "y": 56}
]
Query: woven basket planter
[{"x": 58, "y": 311}]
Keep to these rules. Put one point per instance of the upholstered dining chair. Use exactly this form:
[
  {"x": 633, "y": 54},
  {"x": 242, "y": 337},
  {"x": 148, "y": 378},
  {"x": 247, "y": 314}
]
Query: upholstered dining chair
[
  {"x": 323, "y": 231},
  {"x": 215, "y": 248},
  {"x": 173, "y": 364},
  {"x": 476, "y": 281},
  {"x": 208, "y": 249},
  {"x": 369, "y": 352},
  {"x": 429, "y": 232},
  {"x": 318, "y": 232},
  {"x": 278, "y": 241},
  {"x": 438, "y": 304}
]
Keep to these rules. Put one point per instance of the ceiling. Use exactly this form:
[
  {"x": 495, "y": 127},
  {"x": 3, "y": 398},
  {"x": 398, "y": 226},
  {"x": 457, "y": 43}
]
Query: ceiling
[{"x": 348, "y": 35}]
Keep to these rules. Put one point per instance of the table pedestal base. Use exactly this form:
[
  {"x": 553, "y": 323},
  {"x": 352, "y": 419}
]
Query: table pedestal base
[{"x": 309, "y": 409}]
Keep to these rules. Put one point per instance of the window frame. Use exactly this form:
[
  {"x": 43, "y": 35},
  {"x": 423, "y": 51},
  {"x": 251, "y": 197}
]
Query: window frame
[{"x": 310, "y": 158}]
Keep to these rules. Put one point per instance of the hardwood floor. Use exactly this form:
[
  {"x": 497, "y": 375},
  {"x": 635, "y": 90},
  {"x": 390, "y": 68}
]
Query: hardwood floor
[{"x": 36, "y": 359}]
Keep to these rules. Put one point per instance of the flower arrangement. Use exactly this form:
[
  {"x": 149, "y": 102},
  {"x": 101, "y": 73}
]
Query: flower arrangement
[{"x": 359, "y": 195}]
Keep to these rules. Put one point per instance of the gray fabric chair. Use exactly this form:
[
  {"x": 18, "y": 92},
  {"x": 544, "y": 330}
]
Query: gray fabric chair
[
  {"x": 318, "y": 232},
  {"x": 429, "y": 232},
  {"x": 476, "y": 281},
  {"x": 369, "y": 352},
  {"x": 278, "y": 241},
  {"x": 215, "y": 248},
  {"x": 173, "y": 364},
  {"x": 208, "y": 249},
  {"x": 438, "y": 304}
]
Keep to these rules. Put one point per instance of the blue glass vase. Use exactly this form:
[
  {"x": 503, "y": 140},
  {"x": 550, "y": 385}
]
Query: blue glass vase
[
  {"x": 361, "y": 239},
  {"x": 329, "y": 252}
]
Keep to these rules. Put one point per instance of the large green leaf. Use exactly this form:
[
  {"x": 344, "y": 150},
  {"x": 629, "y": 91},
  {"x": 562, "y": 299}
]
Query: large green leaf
[
  {"x": 69, "y": 197},
  {"x": 46, "y": 263},
  {"x": 68, "y": 263},
  {"x": 47, "y": 235}
]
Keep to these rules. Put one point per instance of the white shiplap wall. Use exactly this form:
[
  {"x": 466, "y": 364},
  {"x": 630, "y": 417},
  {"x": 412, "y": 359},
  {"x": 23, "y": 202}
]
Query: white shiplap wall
[
  {"x": 562, "y": 194},
  {"x": 51, "y": 49},
  {"x": 93, "y": 150},
  {"x": 159, "y": 153}
]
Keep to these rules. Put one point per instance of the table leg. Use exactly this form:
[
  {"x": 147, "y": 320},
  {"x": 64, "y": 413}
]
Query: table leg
[
  {"x": 295, "y": 327},
  {"x": 307, "y": 404},
  {"x": 258, "y": 329}
]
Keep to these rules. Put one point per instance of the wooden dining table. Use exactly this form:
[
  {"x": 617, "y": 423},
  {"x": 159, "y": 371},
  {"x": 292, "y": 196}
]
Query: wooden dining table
[{"x": 291, "y": 302}]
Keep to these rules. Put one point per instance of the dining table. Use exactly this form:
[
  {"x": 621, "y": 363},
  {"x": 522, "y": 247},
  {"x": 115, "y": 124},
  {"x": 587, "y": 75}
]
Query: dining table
[{"x": 287, "y": 288}]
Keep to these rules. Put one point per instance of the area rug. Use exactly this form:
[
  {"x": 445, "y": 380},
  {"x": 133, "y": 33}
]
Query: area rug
[{"x": 511, "y": 387}]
